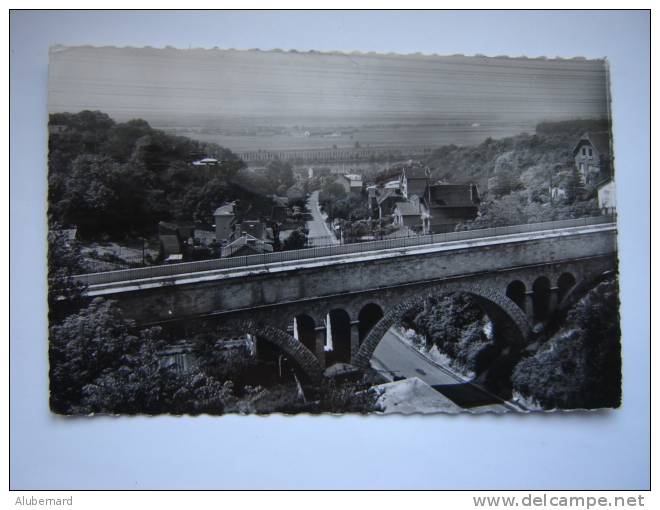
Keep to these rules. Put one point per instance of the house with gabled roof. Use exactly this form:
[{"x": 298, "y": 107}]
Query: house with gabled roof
[
  {"x": 386, "y": 200},
  {"x": 352, "y": 183},
  {"x": 592, "y": 156},
  {"x": 409, "y": 214},
  {"x": 413, "y": 181},
  {"x": 450, "y": 204}
]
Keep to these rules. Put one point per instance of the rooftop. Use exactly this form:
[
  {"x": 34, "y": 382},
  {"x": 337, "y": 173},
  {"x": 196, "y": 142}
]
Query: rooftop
[
  {"x": 246, "y": 240},
  {"x": 600, "y": 140},
  {"x": 387, "y": 193},
  {"x": 457, "y": 195},
  {"x": 206, "y": 161}
]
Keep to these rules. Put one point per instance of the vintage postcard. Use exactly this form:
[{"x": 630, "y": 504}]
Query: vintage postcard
[{"x": 304, "y": 232}]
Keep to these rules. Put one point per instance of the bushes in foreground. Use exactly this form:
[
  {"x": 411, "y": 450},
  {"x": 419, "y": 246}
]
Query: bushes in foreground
[
  {"x": 579, "y": 367},
  {"x": 457, "y": 326}
]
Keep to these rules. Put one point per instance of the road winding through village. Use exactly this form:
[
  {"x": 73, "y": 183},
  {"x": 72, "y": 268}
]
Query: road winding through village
[{"x": 319, "y": 232}]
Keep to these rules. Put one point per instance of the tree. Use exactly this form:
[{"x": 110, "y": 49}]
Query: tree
[
  {"x": 122, "y": 138},
  {"x": 281, "y": 173},
  {"x": 200, "y": 202},
  {"x": 95, "y": 347},
  {"x": 64, "y": 261},
  {"x": 503, "y": 183},
  {"x": 296, "y": 240},
  {"x": 121, "y": 179},
  {"x": 99, "y": 363},
  {"x": 91, "y": 194},
  {"x": 352, "y": 207},
  {"x": 455, "y": 324},
  {"x": 333, "y": 190}
]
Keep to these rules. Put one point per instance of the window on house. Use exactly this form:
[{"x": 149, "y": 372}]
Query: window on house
[
  {"x": 584, "y": 151},
  {"x": 591, "y": 153}
]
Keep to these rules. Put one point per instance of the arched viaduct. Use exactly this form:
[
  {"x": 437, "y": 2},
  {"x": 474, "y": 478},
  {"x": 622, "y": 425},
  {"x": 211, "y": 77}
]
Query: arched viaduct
[{"x": 518, "y": 279}]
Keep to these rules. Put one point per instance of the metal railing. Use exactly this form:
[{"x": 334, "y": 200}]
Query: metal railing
[{"x": 124, "y": 275}]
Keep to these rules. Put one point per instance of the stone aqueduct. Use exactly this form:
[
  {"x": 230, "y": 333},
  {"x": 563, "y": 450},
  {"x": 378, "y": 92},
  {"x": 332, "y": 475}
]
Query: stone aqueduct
[
  {"x": 518, "y": 283},
  {"x": 370, "y": 315}
]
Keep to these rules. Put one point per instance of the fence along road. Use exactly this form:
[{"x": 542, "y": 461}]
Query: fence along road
[{"x": 124, "y": 275}]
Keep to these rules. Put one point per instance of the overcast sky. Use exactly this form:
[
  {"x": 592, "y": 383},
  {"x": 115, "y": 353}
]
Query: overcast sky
[{"x": 158, "y": 84}]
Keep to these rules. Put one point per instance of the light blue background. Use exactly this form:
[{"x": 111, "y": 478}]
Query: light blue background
[{"x": 584, "y": 450}]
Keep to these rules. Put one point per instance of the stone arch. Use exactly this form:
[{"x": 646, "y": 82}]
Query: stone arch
[
  {"x": 516, "y": 292},
  {"x": 499, "y": 307},
  {"x": 581, "y": 289},
  {"x": 340, "y": 328},
  {"x": 289, "y": 345},
  {"x": 541, "y": 298},
  {"x": 306, "y": 327},
  {"x": 565, "y": 283},
  {"x": 368, "y": 317}
]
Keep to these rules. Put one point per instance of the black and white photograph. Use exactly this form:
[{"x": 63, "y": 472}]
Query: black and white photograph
[{"x": 257, "y": 232}]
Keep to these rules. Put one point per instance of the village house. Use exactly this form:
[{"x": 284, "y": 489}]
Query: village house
[
  {"x": 245, "y": 245},
  {"x": 424, "y": 207},
  {"x": 592, "y": 157},
  {"x": 413, "y": 181},
  {"x": 383, "y": 198},
  {"x": 224, "y": 222},
  {"x": 352, "y": 183},
  {"x": 248, "y": 236},
  {"x": 607, "y": 196},
  {"x": 386, "y": 200},
  {"x": 255, "y": 228},
  {"x": 409, "y": 214},
  {"x": 174, "y": 238},
  {"x": 450, "y": 204},
  {"x": 206, "y": 162}
]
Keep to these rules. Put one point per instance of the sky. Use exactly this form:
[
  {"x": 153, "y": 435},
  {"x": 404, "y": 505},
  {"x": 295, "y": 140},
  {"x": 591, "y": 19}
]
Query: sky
[{"x": 184, "y": 86}]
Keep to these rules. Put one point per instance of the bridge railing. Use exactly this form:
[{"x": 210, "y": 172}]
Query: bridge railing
[{"x": 330, "y": 250}]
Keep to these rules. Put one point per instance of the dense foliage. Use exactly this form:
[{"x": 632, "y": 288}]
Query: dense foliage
[
  {"x": 338, "y": 204},
  {"x": 580, "y": 365},
  {"x": 296, "y": 240},
  {"x": 458, "y": 327},
  {"x": 64, "y": 261},
  {"x": 101, "y": 363},
  {"x": 550, "y": 147},
  {"x": 120, "y": 179},
  {"x": 516, "y": 174}
]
